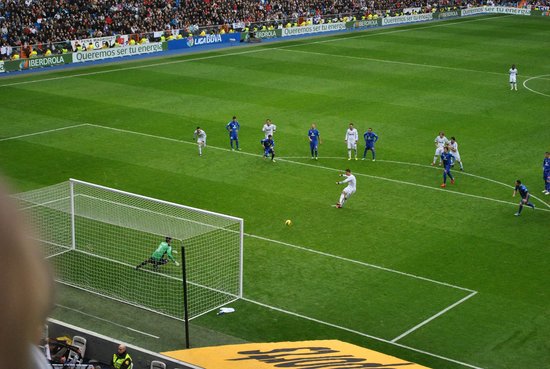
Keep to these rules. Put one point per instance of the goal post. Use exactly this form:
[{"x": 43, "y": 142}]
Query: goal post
[{"x": 95, "y": 236}]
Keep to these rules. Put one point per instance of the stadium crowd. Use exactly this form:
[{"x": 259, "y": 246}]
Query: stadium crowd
[{"x": 45, "y": 22}]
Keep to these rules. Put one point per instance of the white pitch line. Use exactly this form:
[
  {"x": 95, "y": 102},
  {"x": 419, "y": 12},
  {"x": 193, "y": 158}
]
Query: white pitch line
[
  {"x": 359, "y": 262},
  {"x": 358, "y": 333},
  {"x": 286, "y": 48},
  {"x": 535, "y": 91},
  {"x": 108, "y": 321},
  {"x": 433, "y": 317},
  {"x": 41, "y": 132}
]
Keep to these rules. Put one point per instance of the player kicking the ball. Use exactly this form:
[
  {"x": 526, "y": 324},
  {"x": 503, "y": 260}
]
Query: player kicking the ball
[
  {"x": 200, "y": 136},
  {"x": 349, "y": 189}
]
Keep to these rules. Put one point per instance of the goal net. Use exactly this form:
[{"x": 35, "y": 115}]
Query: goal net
[{"x": 95, "y": 237}]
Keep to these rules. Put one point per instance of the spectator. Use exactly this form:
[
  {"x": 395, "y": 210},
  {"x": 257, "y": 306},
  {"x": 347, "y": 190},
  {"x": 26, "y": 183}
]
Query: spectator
[
  {"x": 121, "y": 359},
  {"x": 26, "y": 290}
]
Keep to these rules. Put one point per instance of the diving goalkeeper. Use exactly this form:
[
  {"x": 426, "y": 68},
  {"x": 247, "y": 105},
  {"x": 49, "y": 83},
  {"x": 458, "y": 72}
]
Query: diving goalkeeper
[{"x": 161, "y": 256}]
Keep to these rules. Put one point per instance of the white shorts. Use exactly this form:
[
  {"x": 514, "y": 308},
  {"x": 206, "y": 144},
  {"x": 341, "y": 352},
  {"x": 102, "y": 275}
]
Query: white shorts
[
  {"x": 348, "y": 191},
  {"x": 513, "y": 79},
  {"x": 352, "y": 145},
  {"x": 456, "y": 155},
  {"x": 201, "y": 142},
  {"x": 439, "y": 151}
]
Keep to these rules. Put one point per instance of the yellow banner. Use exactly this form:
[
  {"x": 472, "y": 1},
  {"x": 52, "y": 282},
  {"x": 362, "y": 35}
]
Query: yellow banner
[{"x": 328, "y": 354}]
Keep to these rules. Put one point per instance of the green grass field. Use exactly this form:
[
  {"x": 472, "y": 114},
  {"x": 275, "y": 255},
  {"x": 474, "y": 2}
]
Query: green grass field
[{"x": 446, "y": 278}]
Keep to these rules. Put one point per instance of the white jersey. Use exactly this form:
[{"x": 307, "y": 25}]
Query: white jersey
[
  {"x": 441, "y": 141},
  {"x": 352, "y": 136},
  {"x": 352, "y": 184},
  {"x": 269, "y": 129},
  {"x": 454, "y": 150},
  {"x": 200, "y": 136},
  {"x": 513, "y": 74}
]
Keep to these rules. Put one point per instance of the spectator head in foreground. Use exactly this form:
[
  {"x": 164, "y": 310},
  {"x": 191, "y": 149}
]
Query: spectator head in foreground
[{"x": 25, "y": 289}]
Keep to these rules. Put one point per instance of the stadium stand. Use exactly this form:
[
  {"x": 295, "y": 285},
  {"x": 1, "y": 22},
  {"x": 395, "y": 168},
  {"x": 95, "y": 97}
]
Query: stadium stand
[
  {"x": 39, "y": 25},
  {"x": 99, "y": 350}
]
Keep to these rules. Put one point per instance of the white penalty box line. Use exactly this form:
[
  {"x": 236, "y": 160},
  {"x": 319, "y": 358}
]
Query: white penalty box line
[{"x": 394, "y": 340}]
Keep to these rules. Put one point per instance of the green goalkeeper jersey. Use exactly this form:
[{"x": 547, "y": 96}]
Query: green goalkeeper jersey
[{"x": 164, "y": 248}]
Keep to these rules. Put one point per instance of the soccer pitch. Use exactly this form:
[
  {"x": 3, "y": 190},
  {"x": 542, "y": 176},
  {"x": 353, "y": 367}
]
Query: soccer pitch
[{"x": 447, "y": 278}]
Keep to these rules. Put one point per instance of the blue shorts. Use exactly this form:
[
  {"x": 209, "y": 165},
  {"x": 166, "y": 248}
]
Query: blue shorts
[
  {"x": 268, "y": 151},
  {"x": 233, "y": 136}
]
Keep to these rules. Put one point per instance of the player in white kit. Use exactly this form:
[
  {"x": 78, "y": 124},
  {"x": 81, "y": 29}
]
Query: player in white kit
[
  {"x": 352, "y": 136},
  {"x": 440, "y": 142},
  {"x": 453, "y": 149},
  {"x": 269, "y": 128},
  {"x": 513, "y": 76},
  {"x": 200, "y": 136},
  {"x": 349, "y": 189}
]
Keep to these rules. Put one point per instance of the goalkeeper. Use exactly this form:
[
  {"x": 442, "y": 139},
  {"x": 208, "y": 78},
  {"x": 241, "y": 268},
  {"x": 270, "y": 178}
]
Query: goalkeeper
[{"x": 161, "y": 256}]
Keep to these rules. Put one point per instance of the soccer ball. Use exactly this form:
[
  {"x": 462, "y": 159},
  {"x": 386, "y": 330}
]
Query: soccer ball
[{"x": 288, "y": 222}]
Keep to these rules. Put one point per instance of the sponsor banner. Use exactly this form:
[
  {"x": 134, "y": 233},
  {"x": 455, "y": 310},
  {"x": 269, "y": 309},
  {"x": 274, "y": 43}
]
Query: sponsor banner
[
  {"x": 33, "y": 63},
  {"x": 2, "y": 67},
  {"x": 117, "y": 52},
  {"x": 407, "y": 19},
  {"x": 316, "y": 28},
  {"x": 496, "y": 9},
  {"x": 303, "y": 355},
  {"x": 448, "y": 14},
  {"x": 507, "y": 10},
  {"x": 198, "y": 41},
  {"x": 97, "y": 42},
  {"x": 471, "y": 11},
  {"x": 364, "y": 23},
  {"x": 268, "y": 34}
]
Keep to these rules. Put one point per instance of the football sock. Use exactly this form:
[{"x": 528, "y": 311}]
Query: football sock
[
  {"x": 451, "y": 176},
  {"x": 520, "y": 209},
  {"x": 342, "y": 198},
  {"x": 444, "y": 177},
  {"x": 349, "y": 153},
  {"x": 373, "y": 154}
]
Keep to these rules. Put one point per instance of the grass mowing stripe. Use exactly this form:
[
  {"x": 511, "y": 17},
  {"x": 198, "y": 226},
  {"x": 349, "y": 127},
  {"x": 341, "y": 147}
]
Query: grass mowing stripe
[
  {"x": 390, "y": 61},
  {"x": 359, "y": 262},
  {"x": 359, "y": 333},
  {"x": 41, "y": 132},
  {"x": 316, "y": 166},
  {"x": 236, "y": 53}
]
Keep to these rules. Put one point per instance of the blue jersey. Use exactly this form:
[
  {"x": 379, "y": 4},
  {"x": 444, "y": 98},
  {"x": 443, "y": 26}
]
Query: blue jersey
[
  {"x": 313, "y": 135},
  {"x": 233, "y": 128},
  {"x": 370, "y": 138},
  {"x": 546, "y": 165},
  {"x": 523, "y": 191},
  {"x": 267, "y": 143},
  {"x": 448, "y": 159}
]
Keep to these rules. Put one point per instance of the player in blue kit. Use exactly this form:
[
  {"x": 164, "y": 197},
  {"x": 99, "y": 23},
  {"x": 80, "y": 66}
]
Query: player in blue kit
[
  {"x": 268, "y": 145},
  {"x": 370, "y": 139},
  {"x": 447, "y": 159},
  {"x": 233, "y": 128},
  {"x": 314, "y": 141},
  {"x": 546, "y": 173},
  {"x": 524, "y": 193}
]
